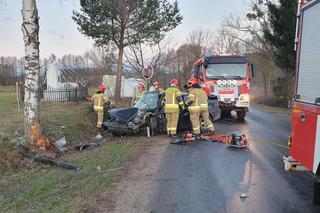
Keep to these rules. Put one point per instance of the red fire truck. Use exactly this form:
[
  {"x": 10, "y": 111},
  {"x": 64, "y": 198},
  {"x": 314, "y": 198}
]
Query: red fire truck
[
  {"x": 304, "y": 142},
  {"x": 228, "y": 78}
]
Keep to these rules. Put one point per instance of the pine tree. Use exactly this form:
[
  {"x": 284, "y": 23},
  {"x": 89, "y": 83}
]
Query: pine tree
[
  {"x": 282, "y": 19},
  {"x": 126, "y": 22}
]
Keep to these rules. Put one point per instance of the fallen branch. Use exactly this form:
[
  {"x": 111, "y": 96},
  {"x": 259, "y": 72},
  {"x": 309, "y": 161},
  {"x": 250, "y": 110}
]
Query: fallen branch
[{"x": 50, "y": 162}]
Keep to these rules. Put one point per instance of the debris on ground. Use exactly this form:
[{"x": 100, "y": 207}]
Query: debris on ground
[
  {"x": 81, "y": 146},
  {"x": 59, "y": 144},
  {"x": 98, "y": 136},
  {"x": 243, "y": 195}
]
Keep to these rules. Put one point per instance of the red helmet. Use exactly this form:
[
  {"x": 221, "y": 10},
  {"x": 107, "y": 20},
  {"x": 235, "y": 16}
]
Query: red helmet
[
  {"x": 156, "y": 84},
  {"x": 101, "y": 88},
  {"x": 192, "y": 81},
  {"x": 174, "y": 81},
  {"x": 141, "y": 85}
]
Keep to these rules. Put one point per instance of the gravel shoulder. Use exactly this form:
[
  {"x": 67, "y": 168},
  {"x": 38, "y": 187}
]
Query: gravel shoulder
[{"x": 133, "y": 191}]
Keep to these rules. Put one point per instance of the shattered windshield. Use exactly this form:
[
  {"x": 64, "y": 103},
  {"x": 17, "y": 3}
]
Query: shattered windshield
[
  {"x": 148, "y": 101},
  {"x": 217, "y": 71}
]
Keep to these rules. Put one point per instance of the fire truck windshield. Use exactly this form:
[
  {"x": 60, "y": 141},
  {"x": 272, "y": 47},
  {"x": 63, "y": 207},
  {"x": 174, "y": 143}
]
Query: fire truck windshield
[{"x": 229, "y": 71}]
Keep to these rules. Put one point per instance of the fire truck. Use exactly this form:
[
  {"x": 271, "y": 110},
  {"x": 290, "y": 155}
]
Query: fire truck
[
  {"x": 304, "y": 141},
  {"x": 228, "y": 78}
]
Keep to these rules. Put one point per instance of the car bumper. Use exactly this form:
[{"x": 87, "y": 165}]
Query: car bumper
[{"x": 114, "y": 126}]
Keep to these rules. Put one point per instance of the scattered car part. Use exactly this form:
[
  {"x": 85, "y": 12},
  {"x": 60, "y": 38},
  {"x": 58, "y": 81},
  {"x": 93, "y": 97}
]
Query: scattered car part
[
  {"x": 51, "y": 162},
  {"x": 82, "y": 146},
  {"x": 59, "y": 144}
]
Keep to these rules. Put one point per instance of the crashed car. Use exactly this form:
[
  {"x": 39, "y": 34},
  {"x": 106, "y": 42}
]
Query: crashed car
[{"x": 149, "y": 112}]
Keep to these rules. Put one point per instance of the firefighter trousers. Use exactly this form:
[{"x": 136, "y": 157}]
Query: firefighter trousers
[
  {"x": 100, "y": 118},
  {"x": 172, "y": 122},
  {"x": 206, "y": 117},
  {"x": 195, "y": 120}
]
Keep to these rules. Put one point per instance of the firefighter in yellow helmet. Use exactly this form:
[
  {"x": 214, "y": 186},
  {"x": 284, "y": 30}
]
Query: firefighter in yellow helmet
[
  {"x": 99, "y": 100},
  {"x": 139, "y": 93},
  {"x": 193, "y": 104},
  {"x": 204, "y": 111},
  {"x": 173, "y": 104}
]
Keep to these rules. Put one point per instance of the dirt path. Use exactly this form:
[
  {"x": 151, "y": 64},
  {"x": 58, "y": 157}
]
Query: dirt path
[{"x": 133, "y": 191}]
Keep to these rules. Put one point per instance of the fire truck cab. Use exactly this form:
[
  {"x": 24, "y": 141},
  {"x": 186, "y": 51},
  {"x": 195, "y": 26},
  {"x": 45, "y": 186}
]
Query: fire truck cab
[
  {"x": 228, "y": 78},
  {"x": 304, "y": 142}
]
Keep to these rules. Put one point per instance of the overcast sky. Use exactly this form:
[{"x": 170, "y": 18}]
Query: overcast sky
[{"x": 59, "y": 34}]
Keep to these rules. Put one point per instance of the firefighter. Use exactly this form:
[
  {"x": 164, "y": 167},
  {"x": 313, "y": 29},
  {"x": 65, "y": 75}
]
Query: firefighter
[
  {"x": 156, "y": 87},
  {"x": 99, "y": 100},
  {"x": 173, "y": 102},
  {"x": 204, "y": 111},
  {"x": 192, "y": 102},
  {"x": 139, "y": 93}
]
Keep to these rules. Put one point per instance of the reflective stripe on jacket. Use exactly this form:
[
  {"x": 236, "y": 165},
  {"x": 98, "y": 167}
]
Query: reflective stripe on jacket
[
  {"x": 203, "y": 99},
  {"x": 193, "y": 100},
  {"x": 172, "y": 99},
  {"x": 98, "y": 101}
]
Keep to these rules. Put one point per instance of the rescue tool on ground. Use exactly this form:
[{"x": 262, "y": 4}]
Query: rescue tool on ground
[
  {"x": 232, "y": 139},
  {"x": 304, "y": 153}
]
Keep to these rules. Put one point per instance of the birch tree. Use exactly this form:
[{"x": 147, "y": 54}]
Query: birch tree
[{"x": 30, "y": 29}]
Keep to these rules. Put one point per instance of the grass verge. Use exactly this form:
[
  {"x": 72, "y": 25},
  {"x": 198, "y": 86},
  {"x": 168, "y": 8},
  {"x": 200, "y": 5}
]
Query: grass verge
[
  {"x": 57, "y": 190},
  {"x": 271, "y": 108}
]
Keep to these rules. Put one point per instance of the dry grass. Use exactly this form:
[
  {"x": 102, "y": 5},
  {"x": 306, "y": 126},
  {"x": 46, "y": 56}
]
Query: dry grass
[{"x": 26, "y": 186}]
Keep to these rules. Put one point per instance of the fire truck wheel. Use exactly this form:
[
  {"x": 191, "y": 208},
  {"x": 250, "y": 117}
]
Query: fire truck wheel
[
  {"x": 225, "y": 113},
  {"x": 316, "y": 188},
  {"x": 241, "y": 114}
]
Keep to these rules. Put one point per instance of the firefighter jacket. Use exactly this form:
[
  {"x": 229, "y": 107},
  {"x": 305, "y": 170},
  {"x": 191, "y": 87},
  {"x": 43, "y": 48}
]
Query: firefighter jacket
[
  {"x": 193, "y": 99},
  {"x": 172, "y": 100},
  {"x": 203, "y": 99},
  {"x": 99, "y": 99}
]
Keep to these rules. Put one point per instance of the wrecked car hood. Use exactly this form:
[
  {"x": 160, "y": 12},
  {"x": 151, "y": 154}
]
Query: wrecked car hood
[{"x": 123, "y": 115}]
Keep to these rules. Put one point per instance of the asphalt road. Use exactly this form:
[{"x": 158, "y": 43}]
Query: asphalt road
[{"x": 209, "y": 177}]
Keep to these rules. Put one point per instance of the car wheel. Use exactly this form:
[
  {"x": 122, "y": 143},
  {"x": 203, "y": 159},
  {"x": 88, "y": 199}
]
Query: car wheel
[
  {"x": 115, "y": 134},
  {"x": 153, "y": 125}
]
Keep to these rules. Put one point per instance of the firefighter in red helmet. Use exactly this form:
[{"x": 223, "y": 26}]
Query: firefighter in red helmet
[
  {"x": 173, "y": 102},
  {"x": 156, "y": 87},
  {"x": 193, "y": 104},
  {"x": 99, "y": 100},
  {"x": 139, "y": 93},
  {"x": 204, "y": 110}
]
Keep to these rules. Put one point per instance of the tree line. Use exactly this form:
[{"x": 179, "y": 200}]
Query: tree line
[{"x": 138, "y": 27}]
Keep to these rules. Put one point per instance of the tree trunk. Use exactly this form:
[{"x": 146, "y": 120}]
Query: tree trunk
[
  {"x": 119, "y": 73},
  {"x": 30, "y": 29}
]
